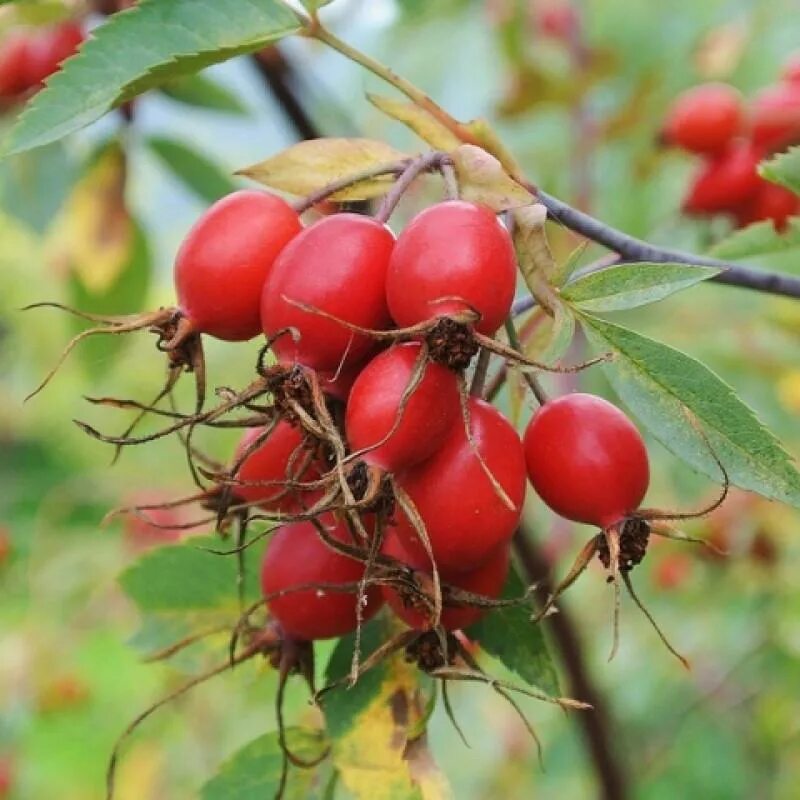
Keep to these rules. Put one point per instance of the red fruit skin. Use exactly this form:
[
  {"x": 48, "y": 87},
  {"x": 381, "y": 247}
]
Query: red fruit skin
[
  {"x": 464, "y": 517},
  {"x": 337, "y": 265},
  {"x": 586, "y": 459},
  {"x": 295, "y": 556},
  {"x": 775, "y": 116},
  {"x": 224, "y": 260},
  {"x": 373, "y": 409},
  {"x": 770, "y": 202},
  {"x": 13, "y": 58},
  {"x": 452, "y": 257},
  {"x": 724, "y": 182},
  {"x": 270, "y": 461},
  {"x": 704, "y": 119},
  {"x": 486, "y": 579},
  {"x": 48, "y": 49}
]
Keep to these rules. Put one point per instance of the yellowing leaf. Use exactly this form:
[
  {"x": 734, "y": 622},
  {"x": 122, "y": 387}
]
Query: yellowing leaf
[
  {"x": 424, "y": 124},
  {"x": 307, "y": 166},
  {"x": 377, "y": 727},
  {"x": 482, "y": 179},
  {"x": 93, "y": 233}
]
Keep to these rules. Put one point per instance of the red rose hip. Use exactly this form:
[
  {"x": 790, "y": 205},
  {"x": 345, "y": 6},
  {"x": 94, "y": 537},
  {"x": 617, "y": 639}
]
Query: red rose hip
[
  {"x": 465, "y": 516},
  {"x": 704, "y": 119},
  {"x": 373, "y": 409},
  {"x": 586, "y": 459},
  {"x": 296, "y": 556},
  {"x": 338, "y": 265},
  {"x": 452, "y": 257},
  {"x": 223, "y": 262}
]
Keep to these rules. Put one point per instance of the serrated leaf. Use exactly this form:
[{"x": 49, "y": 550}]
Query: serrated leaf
[
  {"x": 425, "y": 125},
  {"x": 784, "y": 168},
  {"x": 509, "y": 635},
  {"x": 632, "y": 285},
  {"x": 142, "y": 48},
  {"x": 658, "y": 383},
  {"x": 255, "y": 770},
  {"x": 184, "y": 577},
  {"x": 93, "y": 233},
  {"x": 198, "y": 173},
  {"x": 482, "y": 179},
  {"x": 370, "y": 724},
  {"x": 200, "y": 91},
  {"x": 308, "y": 166},
  {"x": 758, "y": 239}
]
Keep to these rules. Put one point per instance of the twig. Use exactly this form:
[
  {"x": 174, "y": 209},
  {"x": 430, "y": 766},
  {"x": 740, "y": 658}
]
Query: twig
[
  {"x": 597, "y": 728},
  {"x": 632, "y": 249}
]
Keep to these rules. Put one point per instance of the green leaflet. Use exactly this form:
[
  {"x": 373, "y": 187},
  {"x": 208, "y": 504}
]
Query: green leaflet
[
  {"x": 182, "y": 37},
  {"x": 658, "y": 383}
]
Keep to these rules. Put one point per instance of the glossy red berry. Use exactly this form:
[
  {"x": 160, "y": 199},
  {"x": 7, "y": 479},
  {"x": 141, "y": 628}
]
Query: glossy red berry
[
  {"x": 282, "y": 456},
  {"x": 373, "y": 409},
  {"x": 337, "y": 265},
  {"x": 487, "y": 579},
  {"x": 49, "y": 48},
  {"x": 704, "y": 119},
  {"x": 452, "y": 257},
  {"x": 586, "y": 459},
  {"x": 770, "y": 202},
  {"x": 725, "y": 181},
  {"x": 224, "y": 260},
  {"x": 13, "y": 58},
  {"x": 296, "y": 556},
  {"x": 776, "y": 116},
  {"x": 465, "y": 516}
]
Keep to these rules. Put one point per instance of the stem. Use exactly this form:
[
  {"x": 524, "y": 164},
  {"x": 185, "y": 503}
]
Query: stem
[
  {"x": 532, "y": 381},
  {"x": 411, "y": 172},
  {"x": 632, "y": 249},
  {"x": 393, "y": 168},
  {"x": 416, "y": 95},
  {"x": 448, "y": 170},
  {"x": 595, "y": 722},
  {"x": 479, "y": 378}
]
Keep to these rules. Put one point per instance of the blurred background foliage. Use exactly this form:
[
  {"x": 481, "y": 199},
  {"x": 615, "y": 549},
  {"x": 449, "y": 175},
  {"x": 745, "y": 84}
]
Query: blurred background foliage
[{"x": 95, "y": 222}]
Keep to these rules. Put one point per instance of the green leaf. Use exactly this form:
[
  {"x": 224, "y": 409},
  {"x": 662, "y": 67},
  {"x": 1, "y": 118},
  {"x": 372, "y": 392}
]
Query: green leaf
[
  {"x": 509, "y": 635},
  {"x": 255, "y": 770},
  {"x": 632, "y": 285},
  {"x": 142, "y": 48},
  {"x": 201, "y": 91},
  {"x": 373, "y": 725},
  {"x": 342, "y": 706},
  {"x": 308, "y": 166},
  {"x": 758, "y": 239},
  {"x": 199, "y": 174},
  {"x": 424, "y": 124},
  {"x": 784, "y": 168},
  {"x": 185, "y": 578},
  {"x": 660, "y": 383},
  {"x": 482, "y": 179}
]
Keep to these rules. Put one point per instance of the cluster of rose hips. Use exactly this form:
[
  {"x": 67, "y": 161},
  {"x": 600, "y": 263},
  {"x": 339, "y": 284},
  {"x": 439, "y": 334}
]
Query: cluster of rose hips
[
  {"x": 714, "y": 121},
  {"x": 29, "y": 56},
  {"x": 382, "y": 474}
]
